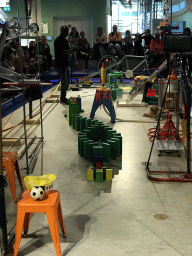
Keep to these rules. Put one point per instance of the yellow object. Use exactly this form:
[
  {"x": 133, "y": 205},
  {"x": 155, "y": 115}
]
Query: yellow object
[
  {"x": 88, "y": 82},
  {"x": 90, "y": 175},
  {"x": 44, "y": 180},
  {"x": 103, "y": 76},
  {"x": 141, "y": 77},
  {"x": 109, "y": 174}
]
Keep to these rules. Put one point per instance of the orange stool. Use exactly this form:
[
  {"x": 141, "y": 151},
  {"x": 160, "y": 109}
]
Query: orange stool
[
  {"x": 10, "y": 160},
  {"x": 51, "y": 205}
]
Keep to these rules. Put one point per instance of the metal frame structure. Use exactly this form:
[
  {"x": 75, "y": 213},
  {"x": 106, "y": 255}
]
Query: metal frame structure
[
  {"x": 185, "y": 84},
  {"x": 21, "y": 80}
]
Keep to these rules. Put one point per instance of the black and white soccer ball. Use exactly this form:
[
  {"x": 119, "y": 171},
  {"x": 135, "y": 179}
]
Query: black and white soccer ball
[{"x": 37, "y": 193}]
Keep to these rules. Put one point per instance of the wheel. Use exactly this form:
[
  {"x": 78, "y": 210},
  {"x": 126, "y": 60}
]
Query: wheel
[{"x": 109, "y": 62}]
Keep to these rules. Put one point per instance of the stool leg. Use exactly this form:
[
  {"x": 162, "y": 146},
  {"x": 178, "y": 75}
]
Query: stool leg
[
  {"x": 18, "y": 173},
  {"x": 19, "y": 228},
  {"x": 61, "y": 220},
  {"x": 11, "y": 178},
  {"x": 54, "y": 228},
  {"x": 26, "y": 223}
]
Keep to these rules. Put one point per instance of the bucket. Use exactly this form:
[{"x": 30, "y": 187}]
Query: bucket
[{"x": 45, "y": 181}]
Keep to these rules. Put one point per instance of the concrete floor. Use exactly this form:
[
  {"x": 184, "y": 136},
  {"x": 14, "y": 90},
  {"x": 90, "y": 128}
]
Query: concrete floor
[{"x": 109, "y": 218}]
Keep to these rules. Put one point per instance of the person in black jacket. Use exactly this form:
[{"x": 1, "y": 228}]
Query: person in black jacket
[{"x": 62, "y": 50}]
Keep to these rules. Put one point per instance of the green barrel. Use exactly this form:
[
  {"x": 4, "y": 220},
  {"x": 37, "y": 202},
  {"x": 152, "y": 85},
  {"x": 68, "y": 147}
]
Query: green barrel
[
  {"x": 99, "y": 130},
  {"x": 82, "y": 133},
  {"x": 86, "y": 149},
  {"x": 106, "y": 152},
  {"x": 120, "y": 138},
  {"x": 74, "y": 115},
  {"x": 110, "y": 134},
  {"x": 102, "y": 131},
  {"x": 93, "y": 137},
  {"x": 91, "y": 150},
  {"x": 88, "y": 132},
  {"x": 79, "y": 137},
  {"x": 81, "y": 146},
  {"x": 97, "y": 150},
  {"x": 118, "y": 146},
  {"x": 93, "y": 122},
  {"x": 96, "y": 132},
  {"x": 105, "y": 130},
  {"x": 77, "y": 122},
  {"x": 99, "y": 175},
  {"x": 88, "y": 122},
  {"x": 118, "y": 134},
  {"x": 113, "y": 149},
  {"x": 83, "y": 123}
]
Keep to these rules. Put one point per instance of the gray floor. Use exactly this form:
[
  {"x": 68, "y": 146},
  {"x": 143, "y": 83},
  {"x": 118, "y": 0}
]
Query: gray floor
[{"x": 111, "y": 218}]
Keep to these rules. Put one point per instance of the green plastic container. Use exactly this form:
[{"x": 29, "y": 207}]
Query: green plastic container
[{"x": 106, "y": 152}]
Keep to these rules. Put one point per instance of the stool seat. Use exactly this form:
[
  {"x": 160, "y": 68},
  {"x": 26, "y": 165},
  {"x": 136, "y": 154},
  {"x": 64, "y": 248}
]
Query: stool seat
[
  {"x": 51, "y": 205},
  {"x": 10, "y": 162}
]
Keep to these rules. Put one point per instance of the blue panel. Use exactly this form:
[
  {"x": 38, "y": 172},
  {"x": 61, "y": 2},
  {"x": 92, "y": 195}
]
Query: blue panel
[
  {"x": 7, "y": 9},
  {"x": 181, "y": 28},
  {"x": 182, "y": 5}
]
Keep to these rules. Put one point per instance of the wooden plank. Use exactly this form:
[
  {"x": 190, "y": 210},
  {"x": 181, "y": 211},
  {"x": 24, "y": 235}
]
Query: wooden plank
[
  {"x": 31, "y": 121},
  {"x": 9, "y": 142},
  {"x": 55, "y": 96},
  {"x": 132, "y": 104},
  {"x": 51, "y": 101}
]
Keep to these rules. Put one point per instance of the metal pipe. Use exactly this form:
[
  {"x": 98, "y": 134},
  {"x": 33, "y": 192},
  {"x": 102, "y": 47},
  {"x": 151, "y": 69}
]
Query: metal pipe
[
  {"x": 42, "y": 158},
  {"x": 158, "y": 122},
  {"x": 30, "y": 108},
  {"x": 32, "y": 164},
  {"x": 23, "y": 138},
  {"x": 35, "y": 149},
  {"x": 24, "y": 111},
  {"x": 3, "y": 222},
  {"x": 41, "y": 117},
  {"x": 188, "y": 127},
  {"x": 21, "y": 152}
]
